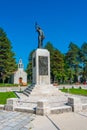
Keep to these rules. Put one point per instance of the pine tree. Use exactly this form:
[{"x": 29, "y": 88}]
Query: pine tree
[
  {"x": 29, "y": 67},
  {"x": 56, "y": 63},
  {"x": 7, "y": 60},
  {"x": 73, "y": 63},
  {"x": 84, "y": 60}
]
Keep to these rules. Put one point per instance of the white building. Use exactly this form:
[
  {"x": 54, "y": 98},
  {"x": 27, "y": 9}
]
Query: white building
[{"x": 19, "y": 76}]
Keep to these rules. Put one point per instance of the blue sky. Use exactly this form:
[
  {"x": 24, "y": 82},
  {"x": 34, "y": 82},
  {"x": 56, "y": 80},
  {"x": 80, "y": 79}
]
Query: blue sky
[{"x": 62, "y": 21}]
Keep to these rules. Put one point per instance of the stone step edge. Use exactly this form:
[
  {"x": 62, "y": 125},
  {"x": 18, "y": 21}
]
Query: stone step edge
[
  {"x": 25, "y": 109},
  {"x": 53, "y": 110},
  {"x": 62, "y": 109}
]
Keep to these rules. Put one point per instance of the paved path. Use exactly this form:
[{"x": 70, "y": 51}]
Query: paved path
[
  {"x": 70, "y": 121},
  {"x": 23, "y": 121},
  {"x": 65, "y": 121},
  {"x": 42, "y": 123},
  {"x": 15, "y": 120}
]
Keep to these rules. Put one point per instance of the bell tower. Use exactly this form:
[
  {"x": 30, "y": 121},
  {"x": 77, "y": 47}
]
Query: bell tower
[{"x": 20, "y": 65}]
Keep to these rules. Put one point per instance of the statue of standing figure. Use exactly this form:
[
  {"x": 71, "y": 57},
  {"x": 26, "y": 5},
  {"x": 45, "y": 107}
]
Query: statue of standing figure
[{"x": 40, "y": 35}]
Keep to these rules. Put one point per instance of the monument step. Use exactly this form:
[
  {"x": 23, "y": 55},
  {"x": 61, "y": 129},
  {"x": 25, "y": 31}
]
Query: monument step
[
  {"x": 28, "y": 91},
  {"x": 45, "y": 88},
  {"x": 62, "y": 109},
  {"x": 25, "y": 109},
  {"x": 31, "y": 86},
  {"x": 44, "y": 92},
  {"x": 41, "y": 90},
  {"x": 53, "y": 110},
  {"x": 25, "y": 93}
]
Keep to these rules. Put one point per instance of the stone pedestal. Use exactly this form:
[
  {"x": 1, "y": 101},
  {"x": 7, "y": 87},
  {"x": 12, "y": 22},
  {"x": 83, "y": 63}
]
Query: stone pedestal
[
  {"x": 11, "y": 104},
  {"x": 75, "y": 103},
  {"x": 42, "y": 107},
  {"x": 41, "y": 67}
]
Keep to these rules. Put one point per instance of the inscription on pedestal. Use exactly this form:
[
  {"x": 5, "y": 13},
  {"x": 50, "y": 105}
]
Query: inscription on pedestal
[{"x": 43, "y": 65}]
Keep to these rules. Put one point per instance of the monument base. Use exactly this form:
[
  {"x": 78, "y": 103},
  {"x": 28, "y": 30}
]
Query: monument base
[
  {"x": 41, "y": 67},
  {"x": 44, "y": 90}
]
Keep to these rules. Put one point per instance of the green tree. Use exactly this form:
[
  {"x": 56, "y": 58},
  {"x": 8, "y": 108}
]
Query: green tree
[
  {"x": 29, "y": 67},
  {"x": 49, "y": 47},
  {"x": 56, "y": 63},
  {"x": 7, "y": 60},
  {"x": 84, "y": 60},
  {"x": 73, "y": 62},
  {"x": 57, "y": 67}
]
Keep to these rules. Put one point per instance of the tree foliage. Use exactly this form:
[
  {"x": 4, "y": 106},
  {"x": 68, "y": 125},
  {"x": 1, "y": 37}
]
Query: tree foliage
[
  {"x": 7, "y": 60},
  {"x": 84, "y": 60},
  {"x": 29, "y": 67},
  {"x": 72, "y": 60},
  {"x": 56, "y": 63}
]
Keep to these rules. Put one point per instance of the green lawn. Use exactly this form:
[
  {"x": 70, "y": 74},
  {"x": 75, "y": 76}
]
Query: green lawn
[
  {"x": 75, "y": 91},
  {"x": 5, "y": 95}
]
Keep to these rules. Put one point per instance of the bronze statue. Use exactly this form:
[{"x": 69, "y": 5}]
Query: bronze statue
[{"x": 40, "y": 35}]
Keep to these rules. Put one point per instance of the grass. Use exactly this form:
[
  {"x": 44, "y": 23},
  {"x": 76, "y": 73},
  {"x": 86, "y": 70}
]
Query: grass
[
  {"x": 78, "y": 91},
  {"x": 5, "y": 95}
]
